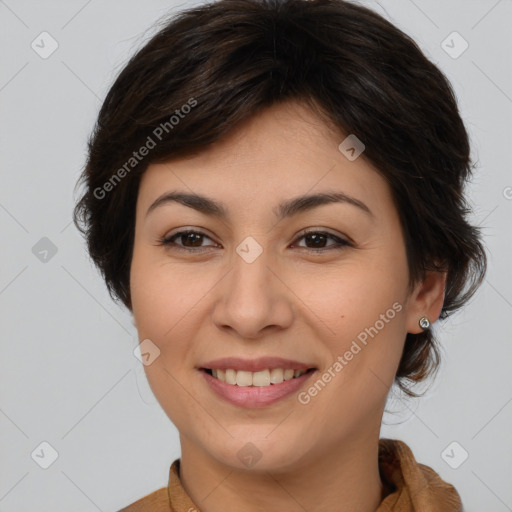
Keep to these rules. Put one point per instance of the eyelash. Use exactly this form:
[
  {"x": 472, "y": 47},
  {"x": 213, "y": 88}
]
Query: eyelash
[{"x": 168, "y": 242}]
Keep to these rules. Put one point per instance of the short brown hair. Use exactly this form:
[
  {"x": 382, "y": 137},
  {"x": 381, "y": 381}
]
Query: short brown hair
[{"x": 230, "y": 59}]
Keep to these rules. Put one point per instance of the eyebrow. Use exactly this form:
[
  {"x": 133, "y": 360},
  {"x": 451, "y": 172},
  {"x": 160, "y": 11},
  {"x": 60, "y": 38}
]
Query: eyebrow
[{"x": 285, "y": 209}]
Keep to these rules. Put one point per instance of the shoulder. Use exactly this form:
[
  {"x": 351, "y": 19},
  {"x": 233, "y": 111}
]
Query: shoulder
[
  {"x": 410, "y": 483},
  {"x": 157, "y": 501}
]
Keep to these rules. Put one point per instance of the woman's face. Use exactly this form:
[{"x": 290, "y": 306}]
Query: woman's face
[{"x": 251, "y": 285}]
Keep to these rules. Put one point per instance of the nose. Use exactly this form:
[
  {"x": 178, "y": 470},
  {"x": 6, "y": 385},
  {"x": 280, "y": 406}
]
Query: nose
[{"x": 253, "y": 298}]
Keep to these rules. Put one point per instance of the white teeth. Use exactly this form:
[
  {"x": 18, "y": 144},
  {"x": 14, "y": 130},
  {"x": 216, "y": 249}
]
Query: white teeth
[
  {"x": 288, "y": 374},
  {"x": 243, "y": 378},
  {"x": 259, "y": 379},
  {"x": 276, "y": 375},
  {"x": 231, "y": 376}
]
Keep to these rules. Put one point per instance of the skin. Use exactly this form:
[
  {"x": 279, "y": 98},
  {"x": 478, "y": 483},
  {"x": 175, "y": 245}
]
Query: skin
[{"x": 290, "y": 303}]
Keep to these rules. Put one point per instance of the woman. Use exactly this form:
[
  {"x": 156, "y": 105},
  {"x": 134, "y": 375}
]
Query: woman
[{"x": 274, "y": 189}]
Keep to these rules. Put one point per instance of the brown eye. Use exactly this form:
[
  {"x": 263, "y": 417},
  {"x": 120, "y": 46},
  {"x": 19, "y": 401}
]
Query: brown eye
[
  {"x": 190, "y": 237},
  {"x": 191, "y": 241},
  {"x": 316, "y": 241},
  {"x": 186, "y": 240}
]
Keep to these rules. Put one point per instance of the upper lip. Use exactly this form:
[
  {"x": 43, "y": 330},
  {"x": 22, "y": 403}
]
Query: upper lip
[{"x": 255, "y": 365}]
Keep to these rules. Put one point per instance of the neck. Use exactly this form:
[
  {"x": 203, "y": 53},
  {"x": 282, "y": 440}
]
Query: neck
[{"x": 344, "y": 479}]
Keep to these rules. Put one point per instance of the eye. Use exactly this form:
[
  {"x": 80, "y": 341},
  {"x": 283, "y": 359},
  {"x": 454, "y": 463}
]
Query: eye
[
  {"x": 318, "y": 239},
  {"x": 193, "y": 238},
  {"x": 191, "y": 241}
]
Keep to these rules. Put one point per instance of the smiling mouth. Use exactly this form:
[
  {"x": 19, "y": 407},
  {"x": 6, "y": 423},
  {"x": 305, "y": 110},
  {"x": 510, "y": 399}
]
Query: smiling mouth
[{"x": 256, "y": 379}]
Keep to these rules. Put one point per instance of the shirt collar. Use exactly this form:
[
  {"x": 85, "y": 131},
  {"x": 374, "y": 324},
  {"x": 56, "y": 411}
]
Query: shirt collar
[{"x": 408, "y": 484}]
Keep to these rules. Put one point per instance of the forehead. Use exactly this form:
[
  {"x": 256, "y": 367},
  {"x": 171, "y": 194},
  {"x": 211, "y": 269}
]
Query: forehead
[{"x": 284, "y": 151}]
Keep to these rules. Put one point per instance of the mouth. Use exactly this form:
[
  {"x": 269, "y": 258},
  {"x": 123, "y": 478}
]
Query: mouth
[
  {"x": 261, "y": 388},
  {"x": 256, "y": 382},
  {"x": 262, "y": 378}
]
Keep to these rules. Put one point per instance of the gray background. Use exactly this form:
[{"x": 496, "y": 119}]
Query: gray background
[{"x": 68, "y": 373}]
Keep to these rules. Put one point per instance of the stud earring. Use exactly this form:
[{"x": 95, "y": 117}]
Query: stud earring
[{"x": 424, "y": 322}]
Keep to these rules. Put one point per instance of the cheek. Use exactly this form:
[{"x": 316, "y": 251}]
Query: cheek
[
  {"x": 163, "y": 299},
  {"x": 358, "y": 313},
  {"x": 164, "y": 294},
  {"x": 166, "y": 300},
  {"x": 347, "y": 299}
]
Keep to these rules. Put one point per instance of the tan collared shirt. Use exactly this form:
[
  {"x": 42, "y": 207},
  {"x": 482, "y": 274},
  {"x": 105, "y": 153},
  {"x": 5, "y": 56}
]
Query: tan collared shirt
[{"x": 410, "y": 487}]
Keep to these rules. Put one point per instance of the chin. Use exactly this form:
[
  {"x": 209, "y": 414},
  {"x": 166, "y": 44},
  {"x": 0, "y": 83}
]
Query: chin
[{"x": 253, "y": 452}]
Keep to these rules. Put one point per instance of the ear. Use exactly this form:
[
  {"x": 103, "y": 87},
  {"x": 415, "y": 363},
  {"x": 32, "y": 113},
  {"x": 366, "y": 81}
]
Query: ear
[{"x": 427, "y": 300}]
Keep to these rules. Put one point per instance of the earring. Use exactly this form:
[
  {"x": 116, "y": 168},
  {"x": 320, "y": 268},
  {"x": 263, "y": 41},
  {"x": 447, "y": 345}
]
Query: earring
[{"x": 424, "y": 322}]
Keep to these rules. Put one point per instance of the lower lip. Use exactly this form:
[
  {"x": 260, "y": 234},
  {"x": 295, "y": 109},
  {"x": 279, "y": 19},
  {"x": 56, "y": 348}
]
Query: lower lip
[{"x": 255, "y": 396}]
